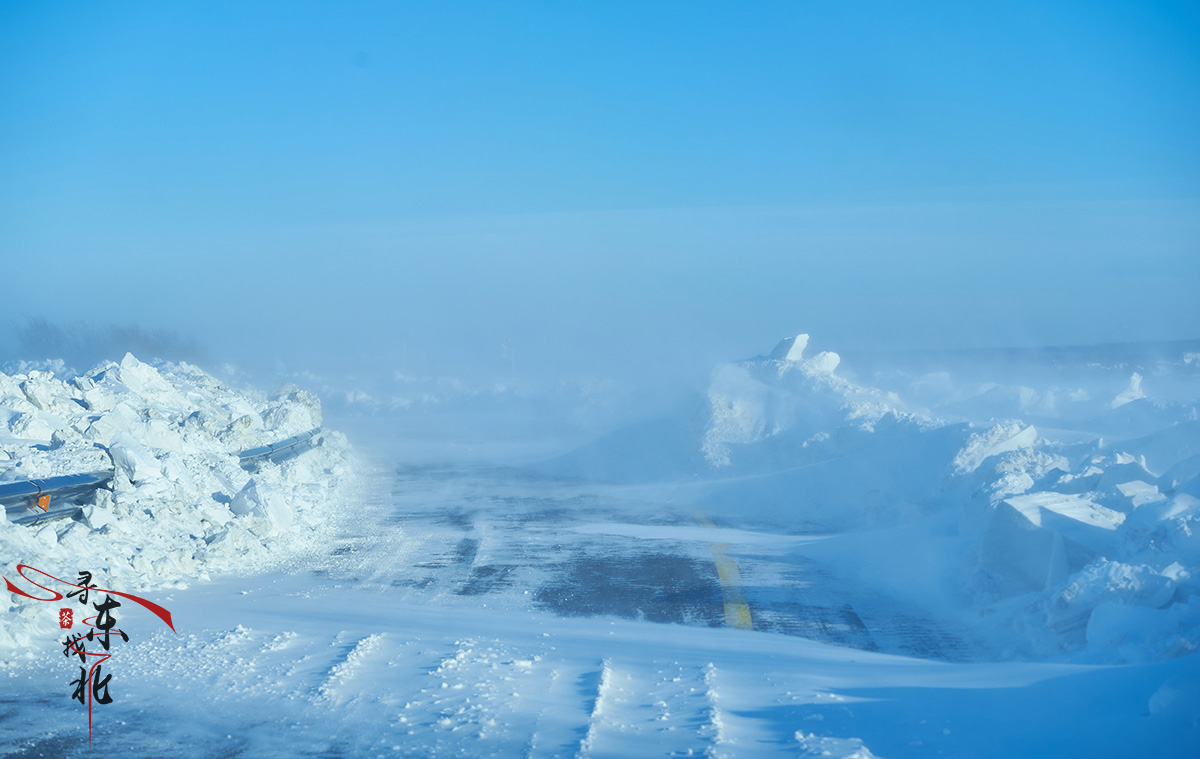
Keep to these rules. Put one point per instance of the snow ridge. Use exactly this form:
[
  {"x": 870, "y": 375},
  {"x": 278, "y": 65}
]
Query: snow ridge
[
  {"x": 334, "y": 689},
  {"x": 603, "y": 693},
  {"x": 714, "y": 729}
]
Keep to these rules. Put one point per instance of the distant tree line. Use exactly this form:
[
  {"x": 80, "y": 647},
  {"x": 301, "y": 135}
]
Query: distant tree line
[{"x": 82, "y": 345}]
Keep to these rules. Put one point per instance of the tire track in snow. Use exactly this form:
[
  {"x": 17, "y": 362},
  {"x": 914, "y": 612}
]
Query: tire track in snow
[
  {"x": 673, "y": 709},
  {"x": 660, "y": 704},
  {"x": 589, "y": 739},
  {"x": 736, "y": 725},
  {"x": 474, "y": 696},
  {"x": 563, "y": 719},
  {"x": 337, "y": 686},
  {"x": 715, "y": 729}
]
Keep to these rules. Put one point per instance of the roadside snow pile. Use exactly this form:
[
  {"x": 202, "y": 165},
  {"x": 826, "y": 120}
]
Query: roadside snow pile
[
  {"x": 764, "y": 397},
  {"x": 1086, "y": 549},
  {"x": 798, "y": 446},
  {"x": 180, "y": 505},
  {"x": 1082, "y": 544}
]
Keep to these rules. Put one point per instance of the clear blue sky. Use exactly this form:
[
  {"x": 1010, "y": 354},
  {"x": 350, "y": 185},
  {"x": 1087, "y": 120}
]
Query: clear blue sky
[{"x": 602, "y": 182}]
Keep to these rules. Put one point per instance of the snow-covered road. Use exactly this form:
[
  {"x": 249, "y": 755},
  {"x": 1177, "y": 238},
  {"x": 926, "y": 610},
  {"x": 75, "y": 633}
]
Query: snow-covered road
[{"x": 488, "y": 612}]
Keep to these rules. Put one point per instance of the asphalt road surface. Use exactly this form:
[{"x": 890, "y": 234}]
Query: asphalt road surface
[{"x": 503, "y": 536}]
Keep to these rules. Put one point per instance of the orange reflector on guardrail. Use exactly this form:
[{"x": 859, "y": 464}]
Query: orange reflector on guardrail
[{"x": 43, "y": 501}]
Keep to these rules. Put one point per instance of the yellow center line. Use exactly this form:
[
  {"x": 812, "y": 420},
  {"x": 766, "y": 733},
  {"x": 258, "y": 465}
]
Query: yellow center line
[{"x": 737, "y": 610}]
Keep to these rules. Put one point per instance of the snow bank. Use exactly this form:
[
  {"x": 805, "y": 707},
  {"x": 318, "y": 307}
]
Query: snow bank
[
  {"x": 1085, "y": 548},
  {"x": 179, "y": 506},
  {"x": 784, "y": 392},
  {"x": 1077, "y": 538},
  {"x": 1082, "y": 550}
]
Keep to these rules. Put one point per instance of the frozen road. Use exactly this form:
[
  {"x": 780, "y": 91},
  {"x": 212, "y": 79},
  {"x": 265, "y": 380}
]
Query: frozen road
[
  {"x": 486, "y": 612},
  {"x": 580, "y": 550}
]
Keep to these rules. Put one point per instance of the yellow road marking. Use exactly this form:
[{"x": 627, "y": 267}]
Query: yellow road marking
[{"x": 737, "y": 611}]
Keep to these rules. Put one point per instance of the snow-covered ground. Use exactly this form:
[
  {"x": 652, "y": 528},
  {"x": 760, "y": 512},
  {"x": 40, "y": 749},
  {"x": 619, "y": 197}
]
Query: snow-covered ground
[{"x": 818, "y": 560}]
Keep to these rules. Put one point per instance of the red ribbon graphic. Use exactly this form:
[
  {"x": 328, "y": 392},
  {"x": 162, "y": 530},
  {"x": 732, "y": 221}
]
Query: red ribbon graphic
[{"x": 150, "y": 606}]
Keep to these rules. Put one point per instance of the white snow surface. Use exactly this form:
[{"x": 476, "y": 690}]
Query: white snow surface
[
  {"x": 934, "y": 566},
  {"x": 180, "y": 506},
  {"x": 380, "y": 648}
]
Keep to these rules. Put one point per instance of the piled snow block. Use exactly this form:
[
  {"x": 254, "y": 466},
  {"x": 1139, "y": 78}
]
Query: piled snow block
[{"x": 1035, "y": 541}]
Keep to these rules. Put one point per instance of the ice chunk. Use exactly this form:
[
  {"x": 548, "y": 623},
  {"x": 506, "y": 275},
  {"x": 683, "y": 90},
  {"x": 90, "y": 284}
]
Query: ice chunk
[
  {"x": 740, "y": 412},
  {"x": 1171, "y": 526},
  {"x": 133, "y": 459},
  {"x": 243, "y": 432},
  {"x": 1131, "y": 393},
  {"x": 993, "y": 441},
  {"x": 1034, "y": 541},
  {"x": 264, "y": 502},
  {"x": 1022, "y": 555},
  {"x": 96, "y": 517},
  {"x": 1140, "y": 493},
  {"x": 1075, "y": 516},
  {"x": 790, "y": 349},
  {"x": 31, "y": 426},
  {"x": 121, "y": 418},
  {"x": 144, "y": 380},
  {"x": 824, "y": 362},
  {"x": 292, "y": 411},
  {"x": 47, "y": 536},
  {"x": 1105, "y": 581},
  {"x": 40, "y": 391}
]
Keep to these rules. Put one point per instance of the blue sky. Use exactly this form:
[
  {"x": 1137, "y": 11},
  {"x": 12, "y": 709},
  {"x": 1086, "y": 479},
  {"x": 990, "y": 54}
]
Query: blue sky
[{"x": 603, "y": 182}]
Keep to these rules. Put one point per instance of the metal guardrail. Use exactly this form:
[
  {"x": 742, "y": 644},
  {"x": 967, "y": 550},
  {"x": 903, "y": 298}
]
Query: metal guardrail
[
  {"x": 32, "y": 502},
  {"x": 280, "y": 451},
  {"x": 35, "y": 501}
]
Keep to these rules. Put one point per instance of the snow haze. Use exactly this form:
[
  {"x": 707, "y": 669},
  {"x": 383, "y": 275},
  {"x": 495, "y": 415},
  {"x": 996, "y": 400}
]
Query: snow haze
[{"x": 612, "y": 192}]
